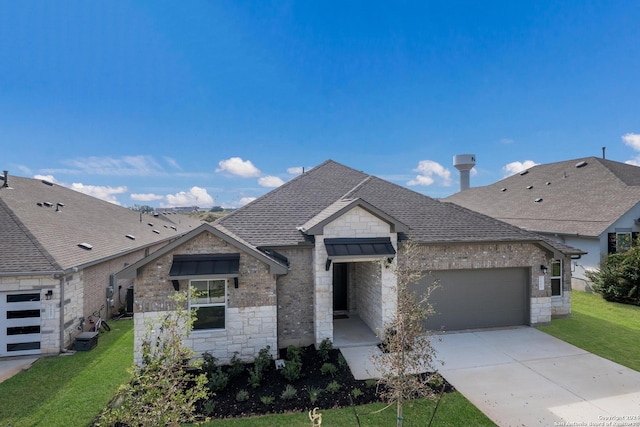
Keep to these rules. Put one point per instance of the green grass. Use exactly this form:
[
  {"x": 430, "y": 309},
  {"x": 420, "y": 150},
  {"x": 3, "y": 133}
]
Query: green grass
[
  {"x": 608, "y": 329},
  {"x": 69, "y": 390},
  {"x": 454, "y": 410}
]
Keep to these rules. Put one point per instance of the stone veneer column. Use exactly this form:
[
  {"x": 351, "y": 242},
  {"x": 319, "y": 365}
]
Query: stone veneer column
[{"x": 323, "y": 294}]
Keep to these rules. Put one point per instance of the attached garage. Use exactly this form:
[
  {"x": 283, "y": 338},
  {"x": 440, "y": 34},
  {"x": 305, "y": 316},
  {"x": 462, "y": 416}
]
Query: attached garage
[{"x": 478, "y": 298}]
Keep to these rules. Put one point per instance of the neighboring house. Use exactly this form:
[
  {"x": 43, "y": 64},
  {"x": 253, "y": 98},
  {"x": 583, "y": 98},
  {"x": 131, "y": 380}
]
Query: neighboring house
[
  {"x": 591, "y": 203},
  {"x": 59, "y": 251},
  {"x": 277, "y": 271}
]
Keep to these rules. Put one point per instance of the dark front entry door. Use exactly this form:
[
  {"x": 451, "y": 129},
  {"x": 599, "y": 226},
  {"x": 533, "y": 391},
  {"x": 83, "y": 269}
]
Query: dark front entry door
[{"x": 340, "y": 281}]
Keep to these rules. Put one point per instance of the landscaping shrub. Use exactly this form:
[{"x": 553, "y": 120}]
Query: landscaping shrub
[
  {"x": 267, "y": 400},
  {"x": 292, "y": 369},
  {"x": 618, "y": 278},
  {"x": 242, "y": 395},
  {"x": 289, "y": 392},
  {"x": 328, "y": 369},
  {"x": 314, "y": 393},
  {"x": 325, "y": 346},
  {"x": 333, "y": 387}
]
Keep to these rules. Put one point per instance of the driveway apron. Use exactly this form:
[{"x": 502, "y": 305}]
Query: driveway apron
[{"x": 524, "y": 377}]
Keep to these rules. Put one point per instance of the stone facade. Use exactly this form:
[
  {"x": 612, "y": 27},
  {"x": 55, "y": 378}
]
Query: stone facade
[
  {"x": 251, "y": 314},
  {"x": 356, "y": 223}
]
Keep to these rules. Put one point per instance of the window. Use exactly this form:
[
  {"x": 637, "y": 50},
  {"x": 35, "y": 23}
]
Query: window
[
  {"x": 621, "y": 241},
  {"x": 210, "y": 298},
  {"x": 556, "y": 278}
]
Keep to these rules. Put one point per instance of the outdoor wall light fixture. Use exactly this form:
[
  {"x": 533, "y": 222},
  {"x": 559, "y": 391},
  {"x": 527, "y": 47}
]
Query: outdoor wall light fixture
[
  {"x": 49, "y": 294},
  {"x": 544, "y": 269},
  {"x": 235, "y": 282}
]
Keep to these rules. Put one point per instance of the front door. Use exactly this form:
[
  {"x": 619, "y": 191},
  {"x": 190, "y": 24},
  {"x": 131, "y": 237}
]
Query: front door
[{"x": 340, "y": 289}]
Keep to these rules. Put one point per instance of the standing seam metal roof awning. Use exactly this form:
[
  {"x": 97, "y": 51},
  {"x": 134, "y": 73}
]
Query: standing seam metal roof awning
[
  {"x": 187, "y": 266},
  {"x": 373, "y": 247}
]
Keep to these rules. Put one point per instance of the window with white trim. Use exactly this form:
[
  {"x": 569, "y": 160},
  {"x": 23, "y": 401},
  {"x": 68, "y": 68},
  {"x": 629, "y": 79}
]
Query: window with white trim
[
  {"x": 556, "y": 278},
  {"x": 210, "y": 298}
]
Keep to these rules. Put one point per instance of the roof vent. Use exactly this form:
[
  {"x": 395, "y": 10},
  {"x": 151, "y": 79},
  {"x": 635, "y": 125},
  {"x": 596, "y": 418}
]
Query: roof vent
[
  {"x": 5, "y": 178},
  {"x": 150, "y": 224},
  {"x": 524, "y": 173},
  {"x": 174, "y": 227},
  {"x": 156, "y": 231},
  {"x": 85, "y": 246},
  {"x": 548, "y": 182},
  {"x": 529, "y": 187},
  {"x": 581, "y": 164},
  {"x": 155, "y": 214},
  {"x": 130, "y": 236},
  {"x": 503, "y": 189},
  {"x": 47, "y": 204},
  {"x": 39, "y": 204},
  {"x": 59, "y": 207},
  {"x": 49, "y": 183},
  {"x": 538, "y": 200}
]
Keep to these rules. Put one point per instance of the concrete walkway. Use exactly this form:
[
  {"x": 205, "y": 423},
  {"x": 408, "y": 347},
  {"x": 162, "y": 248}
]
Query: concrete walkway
[
  {"x": 12, "y": 365},
  {"x": 524, "y": 377}
]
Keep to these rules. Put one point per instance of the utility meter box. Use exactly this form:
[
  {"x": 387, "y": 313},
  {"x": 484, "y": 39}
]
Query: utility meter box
[{"x": 86, "y": 341}]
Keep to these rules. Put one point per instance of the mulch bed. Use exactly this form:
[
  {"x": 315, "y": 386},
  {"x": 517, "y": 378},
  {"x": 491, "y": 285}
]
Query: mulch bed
[{"x": 224, "y": 404}]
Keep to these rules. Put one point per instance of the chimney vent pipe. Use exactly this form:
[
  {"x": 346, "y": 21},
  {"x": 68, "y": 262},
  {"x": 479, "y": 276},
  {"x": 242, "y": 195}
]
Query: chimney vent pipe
[{"x": 6, "y": 179}]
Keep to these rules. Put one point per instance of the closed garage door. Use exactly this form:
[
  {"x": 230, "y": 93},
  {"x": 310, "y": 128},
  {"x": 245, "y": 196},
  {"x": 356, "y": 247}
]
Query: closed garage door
[
  {"x": 20, "y": 323},
  {"x": 481, "y": 298}
]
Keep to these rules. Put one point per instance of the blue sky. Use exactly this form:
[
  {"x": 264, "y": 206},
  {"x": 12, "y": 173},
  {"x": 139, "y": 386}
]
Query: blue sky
[{"x": 217, "y": 102}]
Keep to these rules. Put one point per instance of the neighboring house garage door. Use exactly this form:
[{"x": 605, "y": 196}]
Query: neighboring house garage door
[
  {"x": 19, "y": 323},
  {"x": 481, "y": 298}
]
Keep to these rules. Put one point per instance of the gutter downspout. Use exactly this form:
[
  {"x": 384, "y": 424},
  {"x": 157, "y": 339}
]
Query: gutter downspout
[{"x": 63, "y": 349}]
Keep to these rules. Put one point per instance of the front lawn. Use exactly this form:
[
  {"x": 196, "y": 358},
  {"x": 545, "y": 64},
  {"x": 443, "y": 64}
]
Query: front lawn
[
  {"x": 608, "y": 329},
  {"x": 69, "y": 390},
  {"x": 454, "y": 411}
]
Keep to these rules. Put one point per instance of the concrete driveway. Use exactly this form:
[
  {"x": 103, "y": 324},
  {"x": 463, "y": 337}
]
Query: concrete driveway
[{"x": 524, "y": 377}]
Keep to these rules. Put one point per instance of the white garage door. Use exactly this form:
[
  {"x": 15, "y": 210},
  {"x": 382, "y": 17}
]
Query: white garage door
[
  {"x": 20, "y": 326},
  {"x": 479, "y": 298}
]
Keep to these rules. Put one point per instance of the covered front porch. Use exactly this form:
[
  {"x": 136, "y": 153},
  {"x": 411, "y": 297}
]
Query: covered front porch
[{"x": 351, "y": 331}]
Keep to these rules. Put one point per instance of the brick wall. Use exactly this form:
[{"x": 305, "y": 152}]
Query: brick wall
[
  {"x": 251, "y": 308},
  {"x": 295, "y": 300}
]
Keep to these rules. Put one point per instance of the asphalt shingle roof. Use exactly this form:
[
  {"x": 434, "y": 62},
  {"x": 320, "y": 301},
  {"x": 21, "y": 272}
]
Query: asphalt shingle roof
[
  {"x": 56, "y": 230},
  {"x": 273, "y": 219},
  {"x": 583, "y": 200}
]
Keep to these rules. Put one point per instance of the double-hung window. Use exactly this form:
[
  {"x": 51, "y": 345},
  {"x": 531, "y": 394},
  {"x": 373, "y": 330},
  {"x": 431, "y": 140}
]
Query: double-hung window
[
  {"x": 556, "y": 278},
  {"x": 210, "y": 298}
]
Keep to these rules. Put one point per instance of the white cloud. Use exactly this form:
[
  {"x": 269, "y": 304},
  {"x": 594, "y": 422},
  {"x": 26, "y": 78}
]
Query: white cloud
[
  {"x": 124, "y": 166},
  {"x": 270, "y": 181},
  {"x": 473, "y": 171},
  {"x": 148, "y": 197},
  {"x": 100, "y": 192},
  {"x": 237, "y": 166},
  {"x": 430, "y": 171},
  {"x": 197, "y": 196},
  {"x": 48, "y": 178},
  {"x": 517, "y": 167},
  {"x": 172, "y": 162},
  {"x": 296, "y": 170},
  {"x": 634, "y": 162},
  {"x": 507, "y": 141},
  {"x": 632, "y": 140}
]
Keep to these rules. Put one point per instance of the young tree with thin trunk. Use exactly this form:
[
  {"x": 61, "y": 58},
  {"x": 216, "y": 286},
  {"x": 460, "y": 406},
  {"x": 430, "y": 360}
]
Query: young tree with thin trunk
[{"x": 406, "y": 365}]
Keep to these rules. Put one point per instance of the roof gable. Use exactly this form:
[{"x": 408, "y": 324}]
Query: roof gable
[
  {"x": 274, "y": 266},
  {"x": 316, "y": 224}
]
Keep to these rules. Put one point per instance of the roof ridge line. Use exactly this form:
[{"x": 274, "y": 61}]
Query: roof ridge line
[{"x": 358, "y": 185}]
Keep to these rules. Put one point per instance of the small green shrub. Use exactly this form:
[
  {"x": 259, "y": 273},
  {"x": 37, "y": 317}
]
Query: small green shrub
[
  {"x": 292, "y": 370},
  {"x": 264, "y": 358},
  {"x": 209, "y": 407},
  {"x": 218, "y": 380},
  {"x": 314, "y": 394},
  {"x": 435, "y": 381},
  {"x": 294, "y": 353},
  {"x": 325, "y": 346},
  {"x": 289, "y": 392},
  {"x": 267, "y": 400},
  {"x": 371, "y": 382},
  {"x": 242, "y": 395},
  {"x": 341, "y": 360},
  {"x": 356, "y": 392},
  {"x": 236, "y": 367},
  {"x": 255, "y": 377},
  {"x": 209, "y": 362},
  {"x": 333, "y": 387},
  {"x": 328, "y": 369}
]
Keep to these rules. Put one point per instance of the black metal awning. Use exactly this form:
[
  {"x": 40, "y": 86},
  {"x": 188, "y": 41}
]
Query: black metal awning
[
  {"x": 187, "y": 266},
  {"x": 373, "y": 247}
]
